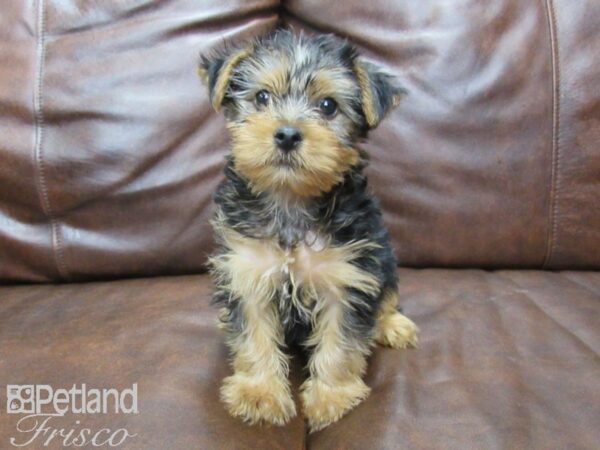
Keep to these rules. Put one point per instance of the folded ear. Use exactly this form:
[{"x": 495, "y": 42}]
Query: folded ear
[
  {"x": 379, "y": 91},
  {"x": 215, "y": 71}
]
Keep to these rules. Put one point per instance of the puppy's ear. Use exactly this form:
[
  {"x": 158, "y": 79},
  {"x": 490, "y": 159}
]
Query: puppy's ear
[
  {"x": 379, "y": 91},
  {"x": 216, "y": 70}
]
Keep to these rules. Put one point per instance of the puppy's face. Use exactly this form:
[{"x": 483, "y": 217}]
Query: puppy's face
[{"x": 295, "y": 107}]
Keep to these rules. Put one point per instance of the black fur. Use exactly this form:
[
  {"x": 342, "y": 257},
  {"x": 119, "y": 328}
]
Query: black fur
[
  {"x": 347, "y": 213},
  {"x": 329, "y": 51}
]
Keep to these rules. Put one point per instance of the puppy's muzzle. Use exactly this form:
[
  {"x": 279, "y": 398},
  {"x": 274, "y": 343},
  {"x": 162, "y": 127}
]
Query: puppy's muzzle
[{"x": 287, "y": 138}]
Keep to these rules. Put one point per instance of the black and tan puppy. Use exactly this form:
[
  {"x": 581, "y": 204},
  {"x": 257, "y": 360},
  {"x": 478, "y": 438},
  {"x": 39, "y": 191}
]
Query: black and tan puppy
[{"x": 303, "y": 257}]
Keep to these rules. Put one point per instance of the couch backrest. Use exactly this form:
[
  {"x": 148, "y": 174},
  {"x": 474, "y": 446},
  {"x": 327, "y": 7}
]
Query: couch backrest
[{"x": 109, "y": 151}]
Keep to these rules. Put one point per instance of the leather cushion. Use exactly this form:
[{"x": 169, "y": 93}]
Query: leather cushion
[{"x": 507, "y": 359}]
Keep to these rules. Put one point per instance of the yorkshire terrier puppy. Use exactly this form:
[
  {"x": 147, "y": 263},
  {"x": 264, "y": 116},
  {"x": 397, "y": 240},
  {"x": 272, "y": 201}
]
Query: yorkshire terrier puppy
[{"x": 303, "y": 258}]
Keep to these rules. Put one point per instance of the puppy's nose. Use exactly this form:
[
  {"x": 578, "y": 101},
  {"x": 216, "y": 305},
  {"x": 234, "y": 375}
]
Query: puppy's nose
[{"x": 287, "y": 138}]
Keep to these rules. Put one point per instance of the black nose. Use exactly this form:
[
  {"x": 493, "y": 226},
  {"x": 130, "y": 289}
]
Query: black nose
[{"x": 287, "y": 138}]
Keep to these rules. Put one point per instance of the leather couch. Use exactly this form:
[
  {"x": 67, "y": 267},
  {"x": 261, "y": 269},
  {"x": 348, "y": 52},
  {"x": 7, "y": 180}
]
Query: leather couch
[{"x": 488, "y": 174}]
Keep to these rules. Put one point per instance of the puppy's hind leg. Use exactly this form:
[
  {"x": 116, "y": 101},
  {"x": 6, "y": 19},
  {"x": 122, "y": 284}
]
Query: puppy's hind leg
[{"x": 394, "y": 329}]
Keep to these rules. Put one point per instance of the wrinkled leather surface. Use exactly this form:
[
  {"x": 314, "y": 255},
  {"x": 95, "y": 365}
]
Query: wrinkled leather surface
[
  {"x": 160, "y": 333},
  {"x": 575, "y": 237},
  {"x": 115, "y": 152},
  {"x": 492, "y": 159},
  {"x": 109, "y": 151},
  {"x": 25, "y": 246},
  {"x": 507, "y": 360}
]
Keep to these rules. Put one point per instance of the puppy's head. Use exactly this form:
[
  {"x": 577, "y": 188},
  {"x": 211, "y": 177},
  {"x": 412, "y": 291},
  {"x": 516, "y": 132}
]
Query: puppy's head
[{"x": 296, "y": 106}]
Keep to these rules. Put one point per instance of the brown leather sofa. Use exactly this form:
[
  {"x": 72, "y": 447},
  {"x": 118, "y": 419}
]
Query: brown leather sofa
[{"x": 488, "y": 173}]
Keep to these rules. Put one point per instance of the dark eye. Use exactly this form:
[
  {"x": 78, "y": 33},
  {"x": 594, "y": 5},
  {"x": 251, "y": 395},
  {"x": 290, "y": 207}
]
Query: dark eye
[
  {"x": 328, "y": 106},
  {"x": 262, "y": 97}
]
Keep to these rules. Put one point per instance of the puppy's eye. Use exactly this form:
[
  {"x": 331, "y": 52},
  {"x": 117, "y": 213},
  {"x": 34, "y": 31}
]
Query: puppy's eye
[
  {"x": 262, "y": 97},
  {"x": 328, "y": 106}
]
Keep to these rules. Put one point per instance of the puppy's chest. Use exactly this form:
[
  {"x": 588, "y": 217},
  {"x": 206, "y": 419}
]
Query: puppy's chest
[
  {"x": 299, "y": 243},
  {"x": 294, "y": 250},
  {"x": 295, "y": 261},
  {"x": 294, "y": 229},
  {"x": 298, "y": 276}
]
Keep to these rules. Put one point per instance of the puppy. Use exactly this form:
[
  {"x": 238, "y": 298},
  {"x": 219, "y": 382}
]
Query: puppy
[{"x": 303, "y": 258}]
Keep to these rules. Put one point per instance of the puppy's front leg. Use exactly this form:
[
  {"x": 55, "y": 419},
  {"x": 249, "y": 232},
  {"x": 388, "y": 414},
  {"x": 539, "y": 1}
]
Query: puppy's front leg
[
  {"x": 259, "y": 389},
  {"x": 336, "y": 366},
  {"x": 345, "y": 283}
]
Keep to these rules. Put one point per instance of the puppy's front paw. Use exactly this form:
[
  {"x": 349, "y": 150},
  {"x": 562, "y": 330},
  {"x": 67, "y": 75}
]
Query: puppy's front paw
[
  {"x": 258, "y": 399},
  {"x": 396, "y": 330},
  {"x": 325, "y": 404}
]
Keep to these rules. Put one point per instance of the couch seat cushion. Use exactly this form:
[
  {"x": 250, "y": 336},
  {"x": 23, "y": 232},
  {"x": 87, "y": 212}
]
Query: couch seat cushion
[{"x": 507, "y": 359}]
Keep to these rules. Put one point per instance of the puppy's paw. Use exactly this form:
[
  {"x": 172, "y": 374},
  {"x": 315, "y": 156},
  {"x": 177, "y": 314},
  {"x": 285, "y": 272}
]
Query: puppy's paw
[
  {"x": 258, "y": 399},
  {"x": 396, "y": 330},
  {"x": 324, "y": 404}
]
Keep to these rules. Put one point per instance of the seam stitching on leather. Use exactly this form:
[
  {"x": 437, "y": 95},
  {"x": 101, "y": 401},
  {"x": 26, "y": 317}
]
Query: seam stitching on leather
[
  {"x": 40, "y": 179},
  {"x": 554, "y": 182}
]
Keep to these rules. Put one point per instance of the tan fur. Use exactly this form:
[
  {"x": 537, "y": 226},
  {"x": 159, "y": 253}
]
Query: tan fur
[
  {"x": 325, "y": 403},
  {"x": 251, "y": 266},
  {"x": 224, "y": 75},
  {"x": 328, "y": 83},
  {"x": 394, "y": 329},
  {"x": 366, "y": 94},
  {"x": 255, "y": 398},
  {"x": 299, "y": 275},
  {"x": 260, "y": 266},
  {"x": 336, "y": 367},
  {"x": 330, "y": 270},
  {"x": 321, "y": 160},
  {"x": 254, "y": 269},
  {"x": 274, "y": 76},
  {"x": 203, "y": 74},
  {"x": 259, "y": 389}
]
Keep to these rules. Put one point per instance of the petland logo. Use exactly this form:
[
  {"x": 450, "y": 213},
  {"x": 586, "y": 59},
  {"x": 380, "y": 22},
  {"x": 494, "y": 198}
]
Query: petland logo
[{"x": 42, "y": 404}]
